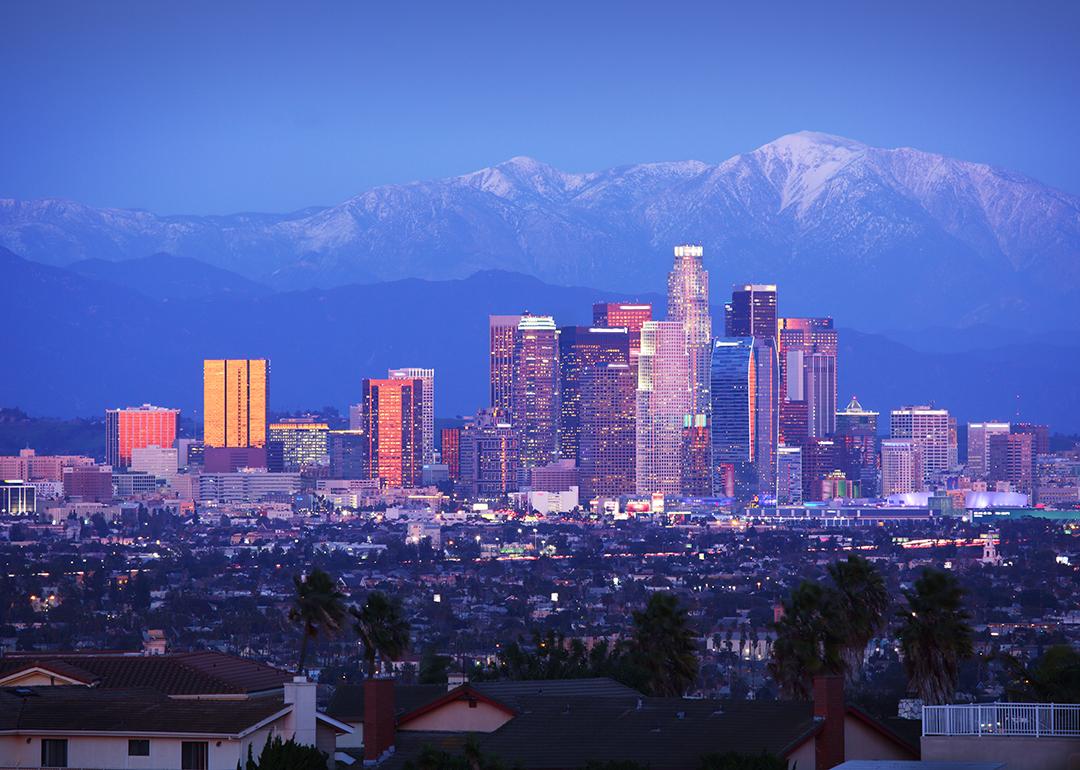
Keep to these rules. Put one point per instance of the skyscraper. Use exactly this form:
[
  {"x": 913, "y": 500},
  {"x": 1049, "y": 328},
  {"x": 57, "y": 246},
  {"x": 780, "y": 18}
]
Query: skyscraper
[
  {"x": 766, "y": 415},
  {"x": 534, "y": 406},
  {"x": 135, "y": 428},
  {"x": 663, "y": 400},
  {"x": 688, "y": 304},
  {"x": 393, "y": 428},
  {"x": 820, "y": 458},
  {"x": 734, "y": 406},
  {"x": 234, "y": 402},
  {"x": 901, "y": 467},
  {"x": 347, "y": 450},
  {"x": 1011, "y": 459},
  {"x": 789, "y": 487},
  {"x": 451, "y": 451},
  {"x": 807, "y": 360},
  {"x": 502, "y": 329},
  {"x": 297, "y": 443},
  {"x": 978, "y": 446},
  {"x": 488, "y": 456},
  {"x": 627, "y": 316},
  {"x": 581, "y": 348},
  {"x": 928, "y": 428},
  {"x": 606, "y": 451},
  {"x": 427, "y": 406},
  {"x": 856, "y": 435},
  {"x": 751, "y": 312}
]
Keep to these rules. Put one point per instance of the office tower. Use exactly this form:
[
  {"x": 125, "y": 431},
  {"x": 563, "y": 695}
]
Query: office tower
[
  {"x": 581, "y": 348},
  {"x": 954, "y": 442},
  {"x": 978, "y": 446},
  {"x": 1040, "y": 436},
  {"x": 751, "y": 312},
  {"x": 347, "y": 451},
  {"x": 789, "y": 486},
  {"x": 297, "y": 443},
  {"x": 901, "y": 467},
  {"x": 856, "y": 435},
  {"x": 356, "y": 416},
  {"x": 394, "y": 430},
  {"x": 137, "y": 427},
  {"x": 626, "y": 316},
  {"x": 160, "y": 462},
  {"x": 766, "y": 414},
  {"x": 688, "y": 304},
  {"x": 450, "y": 451},
  {"x": 807, "y": 362},
  {"x": 820, "y": 458},
  {"x": 606, "y": 453},
  {"x": 928, "y": 428},
  {"x": 488, "y": 456},
  {"x": 234, "y": 402},
  {"x": 502, "y": 329},
  {"x": 427, "y": 406},
  {"x": 534, "y": 406},
  {"x": 734, "y": 409},
  {"x": 1011, "y": 459},
  {"x": 697, "y": 474},
  {"x": 89, "y": 483},
  {"x": 662, "y": 402}
]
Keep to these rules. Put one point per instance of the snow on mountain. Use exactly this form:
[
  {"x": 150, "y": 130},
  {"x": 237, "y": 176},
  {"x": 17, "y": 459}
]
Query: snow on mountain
[{"x": 896, "y": 236}]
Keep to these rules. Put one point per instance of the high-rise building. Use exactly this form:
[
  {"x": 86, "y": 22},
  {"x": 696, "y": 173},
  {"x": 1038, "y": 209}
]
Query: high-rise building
[
  {"x": 688, "y": 304},
  {"x": 450, "y": 451},
  {"x": 1011, "y": 459},
  {"x": 978, "y": 446},
  {"x": 427, "y": 406},
  {"x": 502, "y": 330},
  {"x": 234, "y": 402},
  {"x": 789, "y": 486},
  {"x": 751, "y": 312},
  {"x": 856, "y": 435},
  {"x": 137, "y": 427},
  {"x": 606, "y": 455},
  {"x": 581, "y": 348},
  {"x": 298, "y": 443},
  {"x": 807, "y": 362},
  {"x": 734, "y": 410},
  {"x": 488, "y": 456},
  {"x": 820, "y": 459},
  {"x": 1040, "y": 434},
  {"x": 901, "y": 467},
  {"x": 928, "y": 428},
  {"x": 534, "y": 407},
  {"x": 347, "y": 450},
  {"x": 766, "y": 415},
  {"x": 662, "y": 402},
  {"x": 626, "y": 316},
  {"x": 393, "y": 427}
]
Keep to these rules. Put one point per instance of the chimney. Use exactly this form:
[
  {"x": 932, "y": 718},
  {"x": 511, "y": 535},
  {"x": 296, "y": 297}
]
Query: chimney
[
  {"x": 829, "y": 706},
  {"x": 379, "y": 720},
  {"x": 300, "y": 693}
]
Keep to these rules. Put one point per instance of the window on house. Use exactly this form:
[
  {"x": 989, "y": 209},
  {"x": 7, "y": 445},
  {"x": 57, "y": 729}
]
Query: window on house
[
  {"x": 138, "y": 747},
  {"x": 54, "y": 752},
  {"x": 194, "y": 755}
]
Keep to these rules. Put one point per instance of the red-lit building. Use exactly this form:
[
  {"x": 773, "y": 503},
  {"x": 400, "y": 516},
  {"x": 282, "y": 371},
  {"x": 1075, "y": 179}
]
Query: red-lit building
[
  {"x": 451, "y": 451},
  {"x": 394, "y": 429},
  {"x": 135, "y": 428}
]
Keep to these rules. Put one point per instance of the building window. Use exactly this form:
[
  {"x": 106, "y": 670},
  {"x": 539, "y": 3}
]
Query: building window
[
  {"x": 194, "y": 755},
  {"x": 138, "y": 747},
  {"x": 54, "y": 752}
]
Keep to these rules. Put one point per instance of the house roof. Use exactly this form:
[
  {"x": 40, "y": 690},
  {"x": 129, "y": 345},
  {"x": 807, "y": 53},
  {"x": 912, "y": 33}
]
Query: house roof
[
  {"x": 80, "y": 709},
  {"x": 183, "y": 673},
  {"x": 347, "y": 701}
]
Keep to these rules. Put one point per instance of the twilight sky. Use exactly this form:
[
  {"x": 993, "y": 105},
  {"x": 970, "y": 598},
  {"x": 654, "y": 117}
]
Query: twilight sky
[{"x": 216, "y": 107}]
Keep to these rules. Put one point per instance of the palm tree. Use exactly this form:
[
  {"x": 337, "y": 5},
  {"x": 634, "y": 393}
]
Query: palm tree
[
  {"x": 665, "y": 644},
  {"x": 934, "y": 636},
  {"x": 382, "y": 629},
  {"x": 809, "y": 639},
  {"x": 317, "y": 608},
  {"x": 864, "y": 600}
]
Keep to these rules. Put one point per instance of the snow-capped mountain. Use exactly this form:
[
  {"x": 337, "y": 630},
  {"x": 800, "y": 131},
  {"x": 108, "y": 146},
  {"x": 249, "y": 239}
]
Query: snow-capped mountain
[{"x": 878, "y": 237}]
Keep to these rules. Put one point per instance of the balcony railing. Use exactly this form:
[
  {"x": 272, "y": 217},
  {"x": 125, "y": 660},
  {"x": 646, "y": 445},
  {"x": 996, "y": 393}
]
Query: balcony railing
[{"x": 1038, "y": 720}]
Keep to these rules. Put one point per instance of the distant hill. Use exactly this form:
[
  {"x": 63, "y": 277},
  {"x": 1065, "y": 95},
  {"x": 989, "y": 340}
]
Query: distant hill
[
  {"x": 883, "y": 238},
  {"x": 84, "y": 344},
  {"x": 165, "y": 276}
]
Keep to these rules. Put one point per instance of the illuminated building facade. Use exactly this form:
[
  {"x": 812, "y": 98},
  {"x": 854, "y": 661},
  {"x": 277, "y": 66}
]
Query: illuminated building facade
[
  {"x": 688, "y": 304},
  {"x": 137, "y": 427},
  {"x": 488, "y": 456},
  {"x": 807, "y": 356},
  {"x": 734, "y": 405},
  {"x": 606, "y": 454},
  {"x": 502, "y": 330},
  {"x": 427, "y": 406},
  {"x": 856, "y": 435},
  {"x": 581, "y": 348},
  {"x": 534, "y": 407},
  {"x": 17, "y": 498},
  {"x": 626, "y": 316},
  {"x": 451, "y": 451},
  {"x": 299, "y": 443},
  {"x": 928, "y": 428},
  {"x": 751, "y": 312},
  {"x": 697, "y": 449},
  {"x": 663, "y": 400},
  {"x": 234, "y": 402},
  {"x": 789, "y": 489},
  {"x": 978, "y": 446},
  {"x": 393, "y": 429},
  {"x": 901, "y": 467},
  {"x": 820, "y": 458}
]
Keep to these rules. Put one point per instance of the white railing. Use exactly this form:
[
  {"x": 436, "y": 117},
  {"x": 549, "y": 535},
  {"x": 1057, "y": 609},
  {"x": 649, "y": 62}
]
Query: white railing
[{"x": 1037, "y": 720}]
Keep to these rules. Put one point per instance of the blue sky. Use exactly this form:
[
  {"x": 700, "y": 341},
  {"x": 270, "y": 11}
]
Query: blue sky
[{"x": 218, "y": 107}]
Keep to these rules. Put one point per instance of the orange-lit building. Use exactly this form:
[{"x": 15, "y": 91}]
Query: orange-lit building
[
  {"x": 451, "y": 451},
  {"x": 234, "y": 402},
  {"x": 394, "y": 429},
  {"x": 137, "y": 427}
]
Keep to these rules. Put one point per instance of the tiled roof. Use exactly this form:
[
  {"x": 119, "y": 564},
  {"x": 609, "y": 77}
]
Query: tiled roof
[
  {"x": 183, "y": 673},
  {"x": 89, "y": 709}
]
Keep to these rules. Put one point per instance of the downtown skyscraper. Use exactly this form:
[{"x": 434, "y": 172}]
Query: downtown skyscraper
[
  {"x": 136, "y": 428},
  {"x": 534, "y": 403},
  {"x": 629, "y": 316},
  {"x": 581, "y": 348},
  {"x": 393, "y": 429},
  {"x": 807, "y": 362},
  {"x": 928, "y": 430},
  {"x": 427, "y": 406},
  {"x": 234, "y": 402},
  {"x": 606, "y": 452},
  {"x": 662, "y": 402},
  {"x": 502, "y": 330}
]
